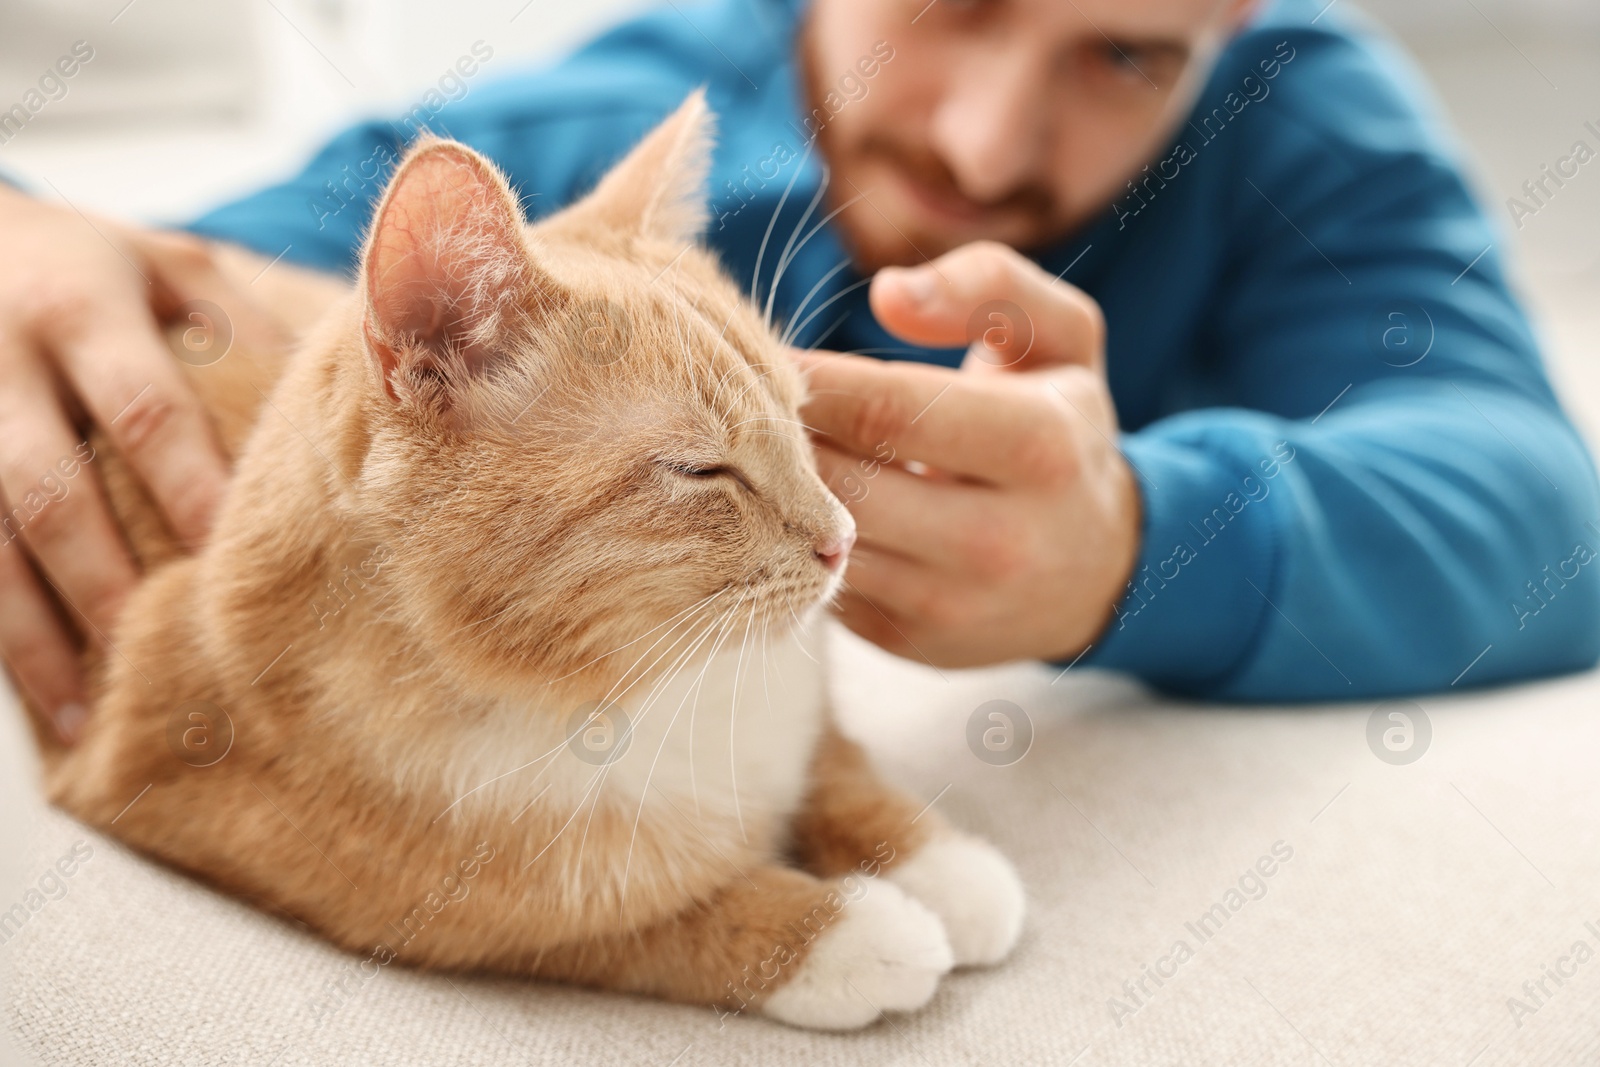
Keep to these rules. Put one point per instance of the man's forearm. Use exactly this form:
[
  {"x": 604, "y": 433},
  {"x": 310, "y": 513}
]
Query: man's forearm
[{"x": 1382, "y": 550}]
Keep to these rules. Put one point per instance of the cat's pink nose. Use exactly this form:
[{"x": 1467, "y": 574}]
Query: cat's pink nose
[{"x": 833, "y": 552}]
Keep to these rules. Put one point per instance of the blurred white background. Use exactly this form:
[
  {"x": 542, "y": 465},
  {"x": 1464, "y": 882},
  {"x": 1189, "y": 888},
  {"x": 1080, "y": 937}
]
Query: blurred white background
[{"x": 188, "y": 103}]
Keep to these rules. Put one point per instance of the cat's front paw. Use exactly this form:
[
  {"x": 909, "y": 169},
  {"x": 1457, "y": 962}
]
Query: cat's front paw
[
  {"x": 884, "y": 952},
  {"x": 973, "y": 889}
]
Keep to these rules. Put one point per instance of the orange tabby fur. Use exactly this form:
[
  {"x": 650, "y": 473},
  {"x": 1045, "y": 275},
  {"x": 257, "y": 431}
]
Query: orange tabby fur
[{"x": 451, "y": 526}]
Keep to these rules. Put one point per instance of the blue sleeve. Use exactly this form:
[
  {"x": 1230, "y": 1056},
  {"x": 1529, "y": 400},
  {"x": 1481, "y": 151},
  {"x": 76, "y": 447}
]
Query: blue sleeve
[{"x": 1392, "y": 499}]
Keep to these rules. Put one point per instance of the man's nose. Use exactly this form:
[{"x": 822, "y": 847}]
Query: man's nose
[{"x": 988, "y": 127}]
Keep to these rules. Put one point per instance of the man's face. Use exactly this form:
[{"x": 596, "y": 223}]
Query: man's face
[{"x": 1008, "y": 120}]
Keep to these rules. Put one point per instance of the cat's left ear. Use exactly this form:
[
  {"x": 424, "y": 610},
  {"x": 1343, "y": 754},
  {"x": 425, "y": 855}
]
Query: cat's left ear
[
  {"x": 658, "y": 191},
  {"x": 447, "y": 277}
]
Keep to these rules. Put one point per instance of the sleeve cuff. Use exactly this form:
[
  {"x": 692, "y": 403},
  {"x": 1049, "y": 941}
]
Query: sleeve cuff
[{"x": 1199, "y": 590}]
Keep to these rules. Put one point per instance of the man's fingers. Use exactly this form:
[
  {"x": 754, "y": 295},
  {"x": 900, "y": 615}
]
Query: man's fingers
[
  {"x": 37, "y": 646},
  {"x": 958, "y": 423},
  {"x": 987, "y": 295},
  {"x": 898, "y": 603},
  {"x": 932, "y": 521},
  {"x": 54, "y": 501},
  {"x": 185, "y": 270},
  {"x": 121, "y": 368},
  {"x": 864, "y": 616},
  {"x": 899, "y": 587}
]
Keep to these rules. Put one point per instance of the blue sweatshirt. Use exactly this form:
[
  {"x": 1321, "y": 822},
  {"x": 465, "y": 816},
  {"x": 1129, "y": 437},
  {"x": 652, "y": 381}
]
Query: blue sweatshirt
[{"x": 1356, "y": 479}]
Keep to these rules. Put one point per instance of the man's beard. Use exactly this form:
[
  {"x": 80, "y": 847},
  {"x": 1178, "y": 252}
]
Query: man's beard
[{"x": 1025, "y": 217}]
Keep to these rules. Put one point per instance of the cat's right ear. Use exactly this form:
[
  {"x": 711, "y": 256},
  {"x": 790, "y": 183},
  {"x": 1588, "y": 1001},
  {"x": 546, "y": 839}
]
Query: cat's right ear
[
  {"x": 658, "y": 191},
  {"x": 446, "y": 274}
]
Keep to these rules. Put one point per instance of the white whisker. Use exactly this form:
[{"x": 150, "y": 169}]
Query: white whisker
[
  {"x": 753, "y": 383},
  {"x": 783, "y": 257},
  {"x": 716, "y": 649},
  {"x": 566, "y": 824},
  {"x": 716, "y": 397},
  {"x": 569, "y": 738},
  {"x": 683, "y": 343},
  {"x": 496, "y": 778},
  {"x": 811, "y": 294},
  {"x": 829, "y": 217},
  {"x": 532, "y": 802},
  {"x": 633, "y": 724},
  {"x": 794, "y": 331},
  {"x": 755, "y": 276},
  {"x": 666, "y": 735},
  {"x": 480, "y": 622},
  {"x": 733, "y": 714},
  {"x": 798, "y": 625},
  {"x": 816, "y": 342},
  {"x": 641, "y": 637}
]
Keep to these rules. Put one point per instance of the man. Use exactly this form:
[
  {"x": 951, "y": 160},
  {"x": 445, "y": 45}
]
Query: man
[{"x": 1255, "y": 417}]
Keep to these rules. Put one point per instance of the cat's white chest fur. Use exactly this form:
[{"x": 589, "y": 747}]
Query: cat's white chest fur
[
  {"x": 726, "y": 741},
  {"x": 737, "y": 739}
]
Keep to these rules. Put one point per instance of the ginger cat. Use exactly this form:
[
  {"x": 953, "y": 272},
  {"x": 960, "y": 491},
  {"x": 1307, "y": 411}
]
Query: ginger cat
[{"x": 499, "y": 657}]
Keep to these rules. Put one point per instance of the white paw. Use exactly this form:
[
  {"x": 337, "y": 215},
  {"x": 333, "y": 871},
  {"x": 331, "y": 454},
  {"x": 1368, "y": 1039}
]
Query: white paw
[
  {"x": 973, "y": 889},
  {"x": 884, "y": 952}
]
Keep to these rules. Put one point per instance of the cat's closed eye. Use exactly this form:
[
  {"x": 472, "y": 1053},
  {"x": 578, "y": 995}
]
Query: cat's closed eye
[{"x": 691, "y": 469}]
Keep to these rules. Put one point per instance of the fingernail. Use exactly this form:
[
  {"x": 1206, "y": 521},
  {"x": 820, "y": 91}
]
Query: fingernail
[
  {"x": 69, "y": 721},
  {"x": 918, "y": 285}
]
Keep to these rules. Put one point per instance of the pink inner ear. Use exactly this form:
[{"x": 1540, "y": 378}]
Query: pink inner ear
[{"x": 446, "y": 267}]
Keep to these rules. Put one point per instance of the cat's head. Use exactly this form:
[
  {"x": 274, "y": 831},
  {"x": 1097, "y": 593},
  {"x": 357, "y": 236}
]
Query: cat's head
[{"x": 582, "y": 436}]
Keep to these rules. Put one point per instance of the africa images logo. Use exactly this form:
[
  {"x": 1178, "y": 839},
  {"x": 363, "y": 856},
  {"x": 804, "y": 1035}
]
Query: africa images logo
[
  {"x": 1538, "y": 192},
  {"x": 1252, "y": 90}
]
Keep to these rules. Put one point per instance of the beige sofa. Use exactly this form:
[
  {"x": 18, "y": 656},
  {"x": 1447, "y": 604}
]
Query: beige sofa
[{"x": 1336, "y": 908}]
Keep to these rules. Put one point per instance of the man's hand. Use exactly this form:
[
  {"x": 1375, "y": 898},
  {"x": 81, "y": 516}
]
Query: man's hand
[
  {"x": 996, "y": 518},
  {"x": 80, "y": 345}
]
